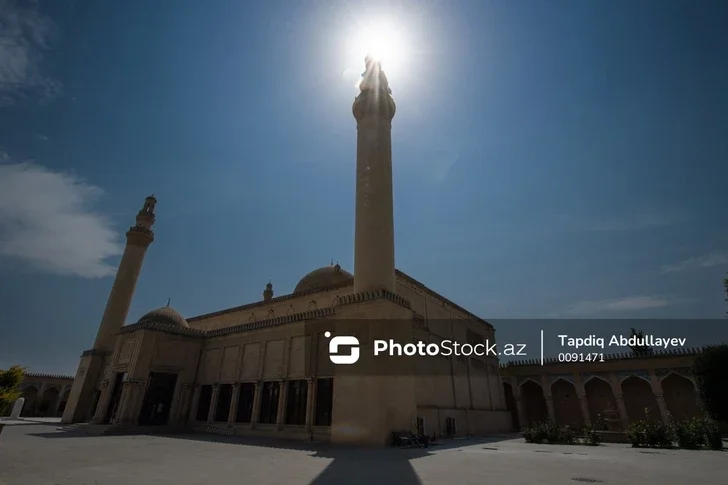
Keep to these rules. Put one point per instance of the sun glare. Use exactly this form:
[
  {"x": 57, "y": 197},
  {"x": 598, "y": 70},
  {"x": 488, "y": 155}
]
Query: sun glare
[{"x": 382, "y": 41}]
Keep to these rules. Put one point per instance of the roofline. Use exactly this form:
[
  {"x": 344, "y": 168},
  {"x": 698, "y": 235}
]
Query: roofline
[
  {"x": 432, "y": 292},
  {"x": 336, "y": 286},
  {"x": 42, "y": 375}
]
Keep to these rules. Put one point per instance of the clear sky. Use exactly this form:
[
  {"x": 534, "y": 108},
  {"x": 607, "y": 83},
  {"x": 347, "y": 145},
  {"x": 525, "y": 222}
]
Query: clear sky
[{"x": 558, "y": 159}]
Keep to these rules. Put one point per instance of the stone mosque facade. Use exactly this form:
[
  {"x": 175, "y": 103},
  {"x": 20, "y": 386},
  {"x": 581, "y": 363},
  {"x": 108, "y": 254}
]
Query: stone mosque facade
[{"x": 264, "y": 368}]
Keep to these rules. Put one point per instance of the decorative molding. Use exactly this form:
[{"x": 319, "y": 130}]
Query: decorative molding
[
  {"x": 603, "y": 376},
  {"x": 535, "y": 379},
  {"x": 100, "y": 353},
  {"x": 641, "y": 374},
  {"x": 40, "y": 375},
  {"x": 566, "y": 377}
]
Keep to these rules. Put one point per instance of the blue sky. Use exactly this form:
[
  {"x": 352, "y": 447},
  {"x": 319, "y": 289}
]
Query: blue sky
[{"x": 551, "y": 159}]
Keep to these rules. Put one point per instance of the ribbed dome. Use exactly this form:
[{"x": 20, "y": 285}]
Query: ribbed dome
[
  {"x": 323, "y": 278},
  {"x": 166, "y": 315}
]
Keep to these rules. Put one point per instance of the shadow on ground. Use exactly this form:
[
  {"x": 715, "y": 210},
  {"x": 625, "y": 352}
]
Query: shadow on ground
[{"x": 349, "y": 465}]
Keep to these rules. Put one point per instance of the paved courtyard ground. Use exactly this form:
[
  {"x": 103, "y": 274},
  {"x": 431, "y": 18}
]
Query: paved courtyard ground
[{"x": 39, "y": 454}]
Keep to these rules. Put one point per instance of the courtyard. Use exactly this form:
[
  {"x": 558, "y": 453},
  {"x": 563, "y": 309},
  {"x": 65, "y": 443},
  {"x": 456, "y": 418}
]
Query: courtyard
[{"x": 40, "y": 454}]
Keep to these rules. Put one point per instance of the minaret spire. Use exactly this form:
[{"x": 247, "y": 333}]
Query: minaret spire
[
  {"x": 374, "y": 110},
  {"x": 138, "y": 239}
]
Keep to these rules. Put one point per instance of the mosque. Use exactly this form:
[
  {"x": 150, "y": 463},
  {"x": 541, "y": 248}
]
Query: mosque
[
  {"x": 265, "y": 368},
  {"x": 273, "y": 367}
]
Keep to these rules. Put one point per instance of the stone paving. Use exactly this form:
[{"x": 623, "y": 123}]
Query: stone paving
[{"x": 39, "y": 454}]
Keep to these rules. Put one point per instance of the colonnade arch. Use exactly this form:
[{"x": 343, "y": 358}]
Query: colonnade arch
[
  {"x": 49, "y": 402},
  {"x": 680, "y": 395},
  {"x": 567, "y": 408},
  {"x": 599, "y": 397},
  {"x": 30, "y": 394},
  {"x": 639, "y": 399},
  {"x": 619, "y": 398},
  {"x": 534, "y": 402}
]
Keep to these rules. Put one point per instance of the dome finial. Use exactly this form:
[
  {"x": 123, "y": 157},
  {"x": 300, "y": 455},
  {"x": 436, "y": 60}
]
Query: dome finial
[{"x": 169, "y": 300}]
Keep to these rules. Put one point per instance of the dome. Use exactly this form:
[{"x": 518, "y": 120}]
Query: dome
[
  {"x": 323, "y": 278},
  {"x": 165, "y": 315}
]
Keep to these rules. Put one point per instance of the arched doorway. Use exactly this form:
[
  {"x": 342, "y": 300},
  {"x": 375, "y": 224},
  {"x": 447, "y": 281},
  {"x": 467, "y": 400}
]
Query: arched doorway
[
  {"x": 62, "y": 403},
  {"x": 511, "y": 404},
  {"x": 638, "y": 397},
  {"x": 566, "y": 404},
  {"x": 30, "y": 394},
  {"x": 601, "y": 401},
  {"x": 534, "y": 403},
  {"x": 680, "y": 397},
  {"x": 48, "y": 402}
]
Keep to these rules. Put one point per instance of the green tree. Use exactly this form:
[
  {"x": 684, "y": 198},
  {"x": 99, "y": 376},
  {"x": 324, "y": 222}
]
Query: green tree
[
  {"x": 711, "y": 380},
  {"x": 9, "y": 387},
  {"x": 640, "y": 349}
]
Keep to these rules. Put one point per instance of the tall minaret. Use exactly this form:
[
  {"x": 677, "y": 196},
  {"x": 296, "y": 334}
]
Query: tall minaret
[
  {"x": 374, "y": 109},
  {"x": 138, "y": 239},
  {"x": 84, "y": 392}
]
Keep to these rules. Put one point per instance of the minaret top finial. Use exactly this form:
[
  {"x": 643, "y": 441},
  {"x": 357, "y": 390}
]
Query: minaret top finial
[
  {"x": 145, "y": 218},
  {"x": 373, "y": 77}
]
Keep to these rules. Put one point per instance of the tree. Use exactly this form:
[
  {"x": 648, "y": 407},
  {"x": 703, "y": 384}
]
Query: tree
[
  {"x": 712, "y": 380},
  {"x": 9, "y": 387},
  {"x": 640, "y": 349}
]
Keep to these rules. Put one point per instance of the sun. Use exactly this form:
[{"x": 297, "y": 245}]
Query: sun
[{"x": 381, "y": 40}]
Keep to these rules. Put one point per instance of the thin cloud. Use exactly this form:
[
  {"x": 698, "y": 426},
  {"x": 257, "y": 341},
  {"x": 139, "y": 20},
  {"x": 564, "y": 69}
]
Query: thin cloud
[
  {"x": 706, "y": 261},
  {"x": 25, "y": 35},
  {"x": 627, "y": 304},
  {"x": 46, "y": 220}
]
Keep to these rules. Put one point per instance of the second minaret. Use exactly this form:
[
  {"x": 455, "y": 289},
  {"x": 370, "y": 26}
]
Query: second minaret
[{"x": 374, "y": 110}]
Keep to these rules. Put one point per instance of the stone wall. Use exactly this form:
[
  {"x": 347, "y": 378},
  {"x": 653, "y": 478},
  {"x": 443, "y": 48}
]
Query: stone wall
[
  {"x": 45, "y": 395},
  {"x": 624, "y": 388}
]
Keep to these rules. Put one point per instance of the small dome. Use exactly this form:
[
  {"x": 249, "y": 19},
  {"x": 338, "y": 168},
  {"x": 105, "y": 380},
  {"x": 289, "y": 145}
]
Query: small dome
[
  {"x": 165, "y": 315},
  {"x": 323, "y": 278}
]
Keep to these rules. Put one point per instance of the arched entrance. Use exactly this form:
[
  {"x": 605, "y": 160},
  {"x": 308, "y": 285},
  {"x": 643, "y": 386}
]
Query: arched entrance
[
  {"x": 49, "y": 402},
  {"x": 566, "y": 404},
  {"x": 534, "y": 403},
  {"x": 638, "y": 397},
  {"x": 511, "y": 404},
  {"x": 30, "y": 394},
  {"x": 680, "y": 397},
  {"x": 62, "y": 403},
  {"x": 600, "y": 400}
]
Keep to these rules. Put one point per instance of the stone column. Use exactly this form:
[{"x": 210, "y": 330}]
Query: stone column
[
  {"x": 130, "y": 401},
  {"x": 101, "y": 408},
  {"x": 664, "y": 413},
  {"x": 550, "y": 407},
  {"x": 584, "y": 409},
  {"x": 622, "y": 410},
  {"x": 213, "y": 403},
  {"x": 234, "y": 403},
  {"x": 309, "y": 403},
  {"x": 521, "y": 409},
  {"x": 256, "y": 405},
  {"x": 177, "y": 396},
  {"x": 283, "y": 391},
  {"x": 195, "y": 403}
]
